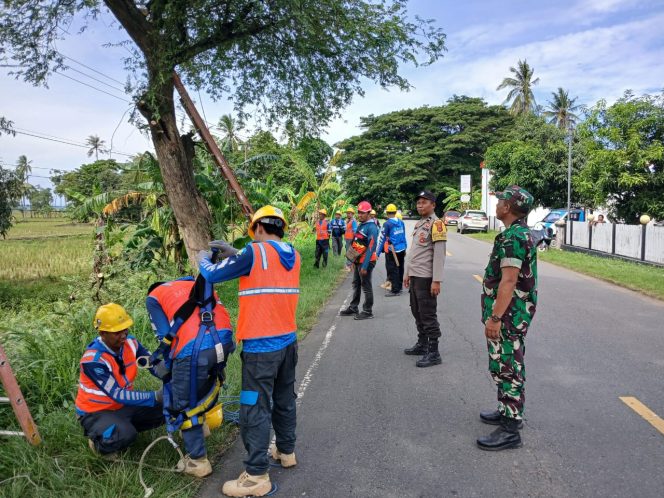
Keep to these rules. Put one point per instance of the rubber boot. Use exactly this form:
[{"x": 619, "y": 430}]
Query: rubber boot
[
  {"x": 286, "y": 459},
  {"x": 248, "y": 485},
  {"x": 504, "y": 437},
  {"x": 431, "y": 357},
  {"x": 197, "y": 467},
  {"x": 417, "y": 350},
  {"x": 493, "y": 418}
]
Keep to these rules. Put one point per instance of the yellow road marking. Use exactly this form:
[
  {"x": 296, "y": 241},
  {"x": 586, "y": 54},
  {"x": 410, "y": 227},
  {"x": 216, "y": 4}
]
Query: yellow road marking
[
  {"x": 478, "y": 278},
  {"x": 448, "y": 253},
  {"x": 645, "y": 412}
]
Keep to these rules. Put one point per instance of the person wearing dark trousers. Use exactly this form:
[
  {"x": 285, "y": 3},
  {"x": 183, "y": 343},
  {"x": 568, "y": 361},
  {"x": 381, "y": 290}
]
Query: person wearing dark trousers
[
  {"x": 351, "y": 227},
  {"x": 322, "y": 230},
  {"x": 423, "y": 275},
  {"x": 337, "y": 230},
  {"x": 269, "y": 286},
  {"x": 393, "y": 241},
  {"x": 364, "y": 247}
]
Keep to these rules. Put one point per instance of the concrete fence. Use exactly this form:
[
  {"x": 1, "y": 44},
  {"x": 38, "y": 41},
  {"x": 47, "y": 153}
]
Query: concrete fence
[{"x": 637, "y": 242}]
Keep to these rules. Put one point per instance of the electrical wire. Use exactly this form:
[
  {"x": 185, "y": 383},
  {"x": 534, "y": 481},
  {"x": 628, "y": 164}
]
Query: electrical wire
[
  {"x": 93, "y": 87},
  {"x": 69, "y": 68},
  {"x": 64, "y": 141},
  {"x": 90, "y": 68}
]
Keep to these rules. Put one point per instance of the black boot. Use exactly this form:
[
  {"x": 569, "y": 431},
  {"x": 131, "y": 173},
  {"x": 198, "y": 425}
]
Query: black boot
[
  {"x": 316, "y": 265},
  {"x": 348, "y": 312},
  {"x": 417, "y": 350},
  {"x": 504, "y": 437},
  {"x": 431, "y": 357},
  {"x": 493, "y": 418}
]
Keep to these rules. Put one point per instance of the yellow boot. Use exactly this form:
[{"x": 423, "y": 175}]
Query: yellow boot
[
  {"x": 197, "y": 467},
  {"x": 286, "y": 460},
  {"x": 248, "y": 485}
]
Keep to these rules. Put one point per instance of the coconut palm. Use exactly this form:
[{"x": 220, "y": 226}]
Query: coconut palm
[
  {"x": 560, "y": 109},
  {"x": 23, "y": 170},
  {"x": 96, "y": 145},
  {"x": 520, "y": 89},
  {"x": 230, "y": 139}
]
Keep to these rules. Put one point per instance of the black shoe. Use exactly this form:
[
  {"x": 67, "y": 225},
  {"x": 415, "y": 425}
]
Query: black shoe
[
  {"x": 363, "y": 315},
  {"x": 417, "y": 350},
  {"x": 348, "y": 312},
  {"x": 493, "y": 418},
  {"x": 504, "y": 437},
  {"x": 429, "y": 359},
  {"x": 316, "y": 265},
  {"x": 393, "y": 294},
  {"x": 325, "y": 264}
]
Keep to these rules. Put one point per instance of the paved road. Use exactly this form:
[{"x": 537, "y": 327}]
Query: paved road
[{"x": 371, "y": 424}]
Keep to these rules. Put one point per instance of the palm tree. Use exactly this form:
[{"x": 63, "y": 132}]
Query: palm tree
[
  {"x": 560, "y": 109},
  {"x": 23, "y": 170},
  {"x": 96, "y": 145},
  {"x": 228, "y": 125},
  {"x": 520, "y": 86}
]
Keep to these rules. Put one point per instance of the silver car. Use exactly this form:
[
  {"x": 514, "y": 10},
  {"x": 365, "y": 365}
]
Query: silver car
[{"x": 473, "y": 220}]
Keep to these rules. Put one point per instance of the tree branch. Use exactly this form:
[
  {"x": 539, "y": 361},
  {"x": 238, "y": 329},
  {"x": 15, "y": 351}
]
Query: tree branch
[{"x": 133, "y": 21}]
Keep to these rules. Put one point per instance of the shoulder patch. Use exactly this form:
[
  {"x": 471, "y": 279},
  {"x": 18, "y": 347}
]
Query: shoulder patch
[{"x": 438, "y": 231}]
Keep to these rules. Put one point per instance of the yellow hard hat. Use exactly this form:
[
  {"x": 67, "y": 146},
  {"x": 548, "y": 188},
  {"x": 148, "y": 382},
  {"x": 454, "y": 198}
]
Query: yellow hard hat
[
  {"x": 267, "y": 212},
  {"x": 399, "y": 216},
  {"x": 373, "y": 211},
  {"x": 391, "y": 208},
  {"x": 112, "y": 318},
  {"x": 323, "y": 211},
  {"x": 214, "y": 417},
  {"x": 350, "y": 210},
  {"x": 338, "y": 212}
]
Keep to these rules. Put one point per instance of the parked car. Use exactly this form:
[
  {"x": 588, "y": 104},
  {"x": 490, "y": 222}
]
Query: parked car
[
  {"x": 554, "y": 215},
  {"x": 473, "y": 220},
  {"x": 451, "y": 217}
]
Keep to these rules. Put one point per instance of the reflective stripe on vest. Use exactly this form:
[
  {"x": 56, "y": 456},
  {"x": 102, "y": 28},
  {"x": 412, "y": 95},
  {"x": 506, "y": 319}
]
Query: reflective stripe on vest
[
  {"x": 321, "y": 230},
  {"x": 268, "y": 296},
  {"x": 349, "y": 231},
  {"x": 172, "y": 295},
  {"x": 90, "y": 398}
]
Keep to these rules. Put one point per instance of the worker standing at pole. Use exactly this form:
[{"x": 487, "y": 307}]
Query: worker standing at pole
[
  {"x": 423, "y": 275},
  {"x": 351, "y": 228},
  {"x": 393, "y": 240},
  {"x": 111, "y": 412},
  {"x": 269, "y": 274},
  {"x": 322, "y": 230},
  {"x": 362, "y": 252},
  {"x": 337, "y": 230}
]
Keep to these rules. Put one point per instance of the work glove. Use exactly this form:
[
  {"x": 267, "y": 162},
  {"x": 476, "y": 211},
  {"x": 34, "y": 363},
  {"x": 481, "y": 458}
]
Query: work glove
[
  {"x": 159, "y": 396},
  {"x": 225, "y": 249},
  {"x": 203, "y": 255}
]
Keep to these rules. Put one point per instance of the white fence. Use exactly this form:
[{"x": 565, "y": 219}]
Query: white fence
[{"x": 631, "y": 241}]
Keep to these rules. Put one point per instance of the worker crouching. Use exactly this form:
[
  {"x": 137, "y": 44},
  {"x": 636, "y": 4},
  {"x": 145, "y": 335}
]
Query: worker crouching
[{"x": 111, "y": 412}]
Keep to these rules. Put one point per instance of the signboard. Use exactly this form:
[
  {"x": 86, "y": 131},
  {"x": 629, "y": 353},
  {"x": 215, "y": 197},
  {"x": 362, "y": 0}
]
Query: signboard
[
  {"x": 465, "y": 198},
  {"x": 465, "y": 184}
]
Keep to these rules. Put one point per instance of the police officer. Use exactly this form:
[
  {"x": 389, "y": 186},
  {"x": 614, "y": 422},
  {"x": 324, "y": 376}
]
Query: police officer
[
  {"x": 424, "y": 272},
  {"x": 393, "y": 241},
  {"x": 509, "y": 298}
]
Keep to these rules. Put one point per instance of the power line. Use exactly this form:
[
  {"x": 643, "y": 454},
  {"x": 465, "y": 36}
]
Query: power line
[
  {"x": 90, "y": 68},
  {"x": 93, "y": 87},
  {"x": 69, "y": 68},
  {"x": 66, "y": 142}
]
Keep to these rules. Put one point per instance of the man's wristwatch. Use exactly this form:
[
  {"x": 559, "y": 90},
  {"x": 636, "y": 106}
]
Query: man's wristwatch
[{"x": 495, "y": 318}]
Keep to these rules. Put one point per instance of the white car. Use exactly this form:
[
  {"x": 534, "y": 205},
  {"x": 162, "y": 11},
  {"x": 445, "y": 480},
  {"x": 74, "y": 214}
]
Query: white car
[{"x": 473, "y": 220}]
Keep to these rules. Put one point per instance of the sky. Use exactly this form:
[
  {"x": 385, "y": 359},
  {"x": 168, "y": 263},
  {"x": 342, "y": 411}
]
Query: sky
[{"x": 596, "y": 49}]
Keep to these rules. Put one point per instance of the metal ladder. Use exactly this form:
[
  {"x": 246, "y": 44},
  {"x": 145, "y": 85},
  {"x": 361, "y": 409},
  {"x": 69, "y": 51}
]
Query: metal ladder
[{"x": 15, "y": 398}]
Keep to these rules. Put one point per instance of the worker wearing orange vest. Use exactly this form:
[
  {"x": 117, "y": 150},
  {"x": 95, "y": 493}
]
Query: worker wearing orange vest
[
  {"x": 322, "y": 230},
  {"x": 269, "y": 274},
  {"x": 351, "y": 227},
  {"x": 111, "y": 412}
]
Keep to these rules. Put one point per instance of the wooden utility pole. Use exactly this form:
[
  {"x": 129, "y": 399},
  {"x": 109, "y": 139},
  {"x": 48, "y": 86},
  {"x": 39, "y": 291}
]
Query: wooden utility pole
[{"x": 212, "y": 147}]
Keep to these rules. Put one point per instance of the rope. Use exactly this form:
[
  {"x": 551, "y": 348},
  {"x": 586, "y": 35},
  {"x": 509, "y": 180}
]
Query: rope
[{"x": 141, "y": 464}]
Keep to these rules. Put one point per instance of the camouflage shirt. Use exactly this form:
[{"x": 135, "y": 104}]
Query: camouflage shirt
[{"x": 513, "y": 247}]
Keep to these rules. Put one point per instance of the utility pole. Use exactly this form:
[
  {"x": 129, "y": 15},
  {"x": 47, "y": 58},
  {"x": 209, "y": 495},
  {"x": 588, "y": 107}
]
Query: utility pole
[{"x": 569, "y": 173}]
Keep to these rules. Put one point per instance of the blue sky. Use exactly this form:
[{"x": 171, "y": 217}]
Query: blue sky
[{"x": 595, "y": 48}]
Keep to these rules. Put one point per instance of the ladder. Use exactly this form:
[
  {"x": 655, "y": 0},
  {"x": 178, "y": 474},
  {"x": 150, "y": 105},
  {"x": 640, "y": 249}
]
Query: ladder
[{"x": 15, "y": 398}]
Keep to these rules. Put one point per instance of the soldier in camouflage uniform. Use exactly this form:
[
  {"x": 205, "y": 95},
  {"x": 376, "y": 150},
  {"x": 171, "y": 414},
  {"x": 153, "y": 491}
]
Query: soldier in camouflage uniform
[{"x": 509, "y": 299}]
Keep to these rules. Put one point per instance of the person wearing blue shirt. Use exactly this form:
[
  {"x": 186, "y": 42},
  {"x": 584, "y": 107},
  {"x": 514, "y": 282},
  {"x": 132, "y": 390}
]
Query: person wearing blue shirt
[
  {"x": 394, "y": 234},
  {"x": 337, "y": 229}
]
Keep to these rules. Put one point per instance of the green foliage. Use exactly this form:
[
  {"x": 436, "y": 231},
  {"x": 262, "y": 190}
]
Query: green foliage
[
  {"x": 402, "y": 152},
  {"x": 10, "y": 192},
  {"x": 41, "y": 199},
  {"x": 534, "y": 157},
  {"x": 624, "y": 164},
  {"x": 88, "y": 179},
  {"x": 520, "y": 89},
  {"x": 560, "y": 110},
  {"x": 452, "y": 200}
]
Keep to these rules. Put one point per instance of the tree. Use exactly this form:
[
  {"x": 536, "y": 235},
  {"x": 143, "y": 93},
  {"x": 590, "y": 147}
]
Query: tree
[
  {"x": 520, "y": 89},
  {"x": 40, "y": 200},
  {"x": 6, "y": 126},
  {"x": 10, "y": 192},
  {"x": 230, "y": 140},
  {"x": 624, "y": 163},
  {"x": 560, "y": 110},
  {"x": 96, "y": 145},
  {"x": 301, "y": 61},
  {"x": 100, "y": 175},
  {"x": 534, "y": 157},
  {"x": 23, "y": 170},
  {"x": 400, "y": 153}
]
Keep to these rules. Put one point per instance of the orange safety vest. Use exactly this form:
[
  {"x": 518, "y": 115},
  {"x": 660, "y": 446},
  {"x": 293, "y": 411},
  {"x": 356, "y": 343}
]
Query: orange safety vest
[
  {"x": 268, "y": 295},
  {"x": 172, "y": 295},
  {"x": 321, "y": 230},
  {"x": 90, "y": 398},
  {"x": 349, "y": 230}
]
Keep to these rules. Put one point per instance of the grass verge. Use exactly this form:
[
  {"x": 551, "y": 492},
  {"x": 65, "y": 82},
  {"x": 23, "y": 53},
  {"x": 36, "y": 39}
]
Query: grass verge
[
  {"x": 45, "y": 349},
  {"x": 648, "y": 280}
]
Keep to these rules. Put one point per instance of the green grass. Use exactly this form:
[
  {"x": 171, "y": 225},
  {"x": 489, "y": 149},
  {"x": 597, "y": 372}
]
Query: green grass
[
  {"x": 646, "y": 279},
  {"x": 46, "y": 227},
  {"x": 45, "y": 346}
]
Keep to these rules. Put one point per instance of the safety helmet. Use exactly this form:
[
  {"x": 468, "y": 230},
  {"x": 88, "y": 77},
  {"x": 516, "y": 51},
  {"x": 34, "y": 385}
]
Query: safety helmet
[
  {"x": 391, "y": 208},
  {"x": 112, "y": 317},
  {"x": 323, "y": 211},
  {"x": 373, "y": 211},
  {"x": 337, "y": 212},
  {"x": 364, "y": 207},
  {"x": 268, "y": 212},
  {"x": 214, "y": 417},
  {"x": 399, "y": 216},
  {"x": 350, "y": 210}
]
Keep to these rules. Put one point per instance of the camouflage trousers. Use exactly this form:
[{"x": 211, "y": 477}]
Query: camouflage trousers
[{"x": 508, "y": 371}]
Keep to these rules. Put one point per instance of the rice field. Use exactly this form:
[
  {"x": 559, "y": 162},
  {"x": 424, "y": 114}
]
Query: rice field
[{"x": 31, "y": 228}]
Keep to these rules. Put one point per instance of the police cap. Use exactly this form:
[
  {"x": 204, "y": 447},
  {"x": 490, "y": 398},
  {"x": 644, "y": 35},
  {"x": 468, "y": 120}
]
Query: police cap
[{"x": 426, "y": 194}]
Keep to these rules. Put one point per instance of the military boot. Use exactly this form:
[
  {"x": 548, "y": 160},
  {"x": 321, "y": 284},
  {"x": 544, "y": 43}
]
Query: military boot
[
  {"x": 417, "y": 350},
  {"x": 504, "y": 437},
  {"x": 286, "y": 459},
  {"x": 431, "y": 357},
  {"x": 493, "y": 418},
  {"x": 197, "y": 467},
  {"x": 248, "y": 485}
]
